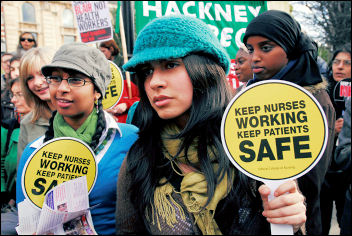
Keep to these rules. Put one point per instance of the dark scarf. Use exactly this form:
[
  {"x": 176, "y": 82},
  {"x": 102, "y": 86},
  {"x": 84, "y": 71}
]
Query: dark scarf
[{"x": 281, "y": 28}]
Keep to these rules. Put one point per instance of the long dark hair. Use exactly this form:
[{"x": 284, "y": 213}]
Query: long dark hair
[{"x": 146, "y": 163}]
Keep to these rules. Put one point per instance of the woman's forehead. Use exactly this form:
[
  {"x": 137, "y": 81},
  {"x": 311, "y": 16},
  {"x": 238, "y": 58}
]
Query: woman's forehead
[
  {"x": 259, "y": 39},
  {"x": 27, "y": 34},
  {"x": 242, "y": 53},
  {"x": 160, "y": 61},
  {"x": 343, "y": 54},
  {"x": 16, "y": 85}
]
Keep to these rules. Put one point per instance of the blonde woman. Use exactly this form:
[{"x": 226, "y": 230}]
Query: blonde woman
[{"x": 36, "y": 92}]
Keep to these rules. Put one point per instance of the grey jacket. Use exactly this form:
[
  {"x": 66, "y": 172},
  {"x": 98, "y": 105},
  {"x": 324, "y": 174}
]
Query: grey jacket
[
  {"x": 343, "y": 150},
  {"x": 29, "y": 132}
]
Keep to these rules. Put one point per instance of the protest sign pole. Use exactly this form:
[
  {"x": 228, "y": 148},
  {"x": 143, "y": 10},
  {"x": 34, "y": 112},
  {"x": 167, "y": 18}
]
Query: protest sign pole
[
  {"x": 124, "y": 51},
  {"x": 277, "y": 229}
]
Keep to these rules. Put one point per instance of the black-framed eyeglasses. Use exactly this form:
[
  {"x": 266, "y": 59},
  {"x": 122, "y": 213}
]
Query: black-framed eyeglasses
[
  {"x": 74, "y": 82},
  {"x": 29, "y": 40}
]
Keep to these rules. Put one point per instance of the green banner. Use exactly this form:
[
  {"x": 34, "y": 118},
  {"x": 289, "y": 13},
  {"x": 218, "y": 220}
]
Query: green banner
[
  {"x": 117, "y": 24},
  {"x": 227, "y": 19}
]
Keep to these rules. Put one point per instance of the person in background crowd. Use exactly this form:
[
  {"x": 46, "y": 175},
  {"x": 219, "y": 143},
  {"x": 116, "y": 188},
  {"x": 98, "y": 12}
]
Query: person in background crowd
[
  {"x": 120, "y": 110},
  {"x": 232, "y": 78},
  {"x": 335, "y": 183},
  {"x": 111, "y": 52},
  {"x": 280, "y": 50},
  {"x": 8, "y": 212},
  {"x": 5, "y": 69},
  {"x": 36, "y": 92},
  {"x": 7, "y": 107},
  {"x": 17, "y": 98},
  {"x": 176, "y": 178},
  {"x": 14, "y": 67},
  {"x": 339, "y": 69},
  {"x": 26, "y": 41},
  {"x": 10, "y": 130},
  {"x": 343, "y": 161},
  {"x": 78, "y": 77},
  {"x": 323, "y": 66},
  {"x": 243, "y": 67},
  {"x": 12, "y": 125}
]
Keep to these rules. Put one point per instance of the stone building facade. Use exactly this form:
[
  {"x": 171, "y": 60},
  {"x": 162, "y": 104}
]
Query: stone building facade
[{"x": 53, "y": 22}]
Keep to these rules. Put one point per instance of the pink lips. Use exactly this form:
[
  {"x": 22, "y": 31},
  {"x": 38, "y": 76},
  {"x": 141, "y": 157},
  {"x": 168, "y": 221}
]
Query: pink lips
[
  {"x": 42, "y": 90},
  {"x": 257, "y": 69},
  {"x": 161, "y": 100},
  {"x": 340, "y": 75},
  {"x": 63, "y": 103}
]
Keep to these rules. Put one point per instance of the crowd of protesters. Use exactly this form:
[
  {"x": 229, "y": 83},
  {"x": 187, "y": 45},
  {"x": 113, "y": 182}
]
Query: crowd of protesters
[{"x": 162, "y": 168}]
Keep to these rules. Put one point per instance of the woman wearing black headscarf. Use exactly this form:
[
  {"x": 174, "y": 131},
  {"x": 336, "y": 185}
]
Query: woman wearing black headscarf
[
  {"x": 281, "y": 51},
  {"x": 336, "y": 180}
]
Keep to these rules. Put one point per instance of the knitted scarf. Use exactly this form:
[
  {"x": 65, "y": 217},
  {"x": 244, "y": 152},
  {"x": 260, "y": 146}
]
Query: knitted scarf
[
  {"x": 84, "y": 133},
  {"x": 193, "y": 188}
]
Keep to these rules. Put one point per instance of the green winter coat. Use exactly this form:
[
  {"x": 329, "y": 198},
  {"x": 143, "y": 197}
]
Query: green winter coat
[{"x": 9, "y": 161}]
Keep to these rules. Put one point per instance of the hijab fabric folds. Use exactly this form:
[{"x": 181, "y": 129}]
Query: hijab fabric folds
[{"x": 285, "y": 31}]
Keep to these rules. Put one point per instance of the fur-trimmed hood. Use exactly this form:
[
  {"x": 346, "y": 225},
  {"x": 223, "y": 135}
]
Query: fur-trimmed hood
[{"x": 313, "y": 89}]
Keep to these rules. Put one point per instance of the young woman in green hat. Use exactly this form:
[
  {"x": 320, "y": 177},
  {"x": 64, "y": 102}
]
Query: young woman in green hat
[{"x": 177, "y": 178}]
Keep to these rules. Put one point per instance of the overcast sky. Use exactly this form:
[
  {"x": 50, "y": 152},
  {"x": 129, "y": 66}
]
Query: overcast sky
[{"x": 301, "y": 9}]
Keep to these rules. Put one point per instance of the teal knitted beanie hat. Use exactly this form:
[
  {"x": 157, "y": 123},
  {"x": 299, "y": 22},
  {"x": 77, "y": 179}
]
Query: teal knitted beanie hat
[{"x": 175, "y": 37}]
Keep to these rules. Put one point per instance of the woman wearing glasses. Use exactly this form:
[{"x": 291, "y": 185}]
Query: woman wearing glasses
[
  {"x": 18, "y": 99},
  {"x": 336, "y": 181},
  {"x": 10, "y": 130},
  {"x": 10, "y": 153},
  {"x": 36, "y": 92},
  {"x": 26, "y": 42},
  {"x": 78, "y": 77}
]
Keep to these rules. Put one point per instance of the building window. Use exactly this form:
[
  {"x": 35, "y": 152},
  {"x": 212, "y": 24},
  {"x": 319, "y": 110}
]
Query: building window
[
  {"x": 28, "y": 13},
  {"x": 69, "y": 39},
  {"x": 67, "y": 18}
]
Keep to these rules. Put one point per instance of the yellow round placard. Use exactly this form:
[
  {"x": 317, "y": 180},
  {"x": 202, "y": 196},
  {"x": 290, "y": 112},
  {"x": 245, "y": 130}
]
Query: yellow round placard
[
  {"x": 114, "y": 90},
  {"x": 54, "y": 162},
  {"x": 274, "y": 130}
]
